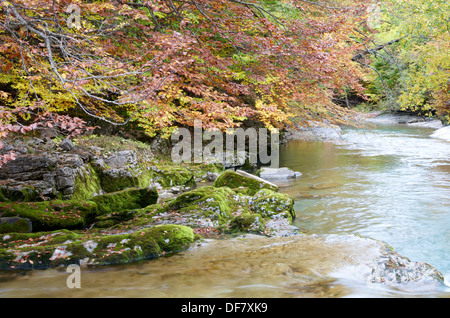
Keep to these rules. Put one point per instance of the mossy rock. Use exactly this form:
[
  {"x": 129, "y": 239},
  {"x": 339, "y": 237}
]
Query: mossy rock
[
  {"x": 268, "y": 203},
  {"x": 15, "y": 225},
  {"x": 169, "y": 176},
  {"x": 114, "y": 218},
  {"x": 50, "y": 249},
  {"x": 241, "y": 179},
  {"x": 125, "y": 200},
  {"x": 208, "y": 201},
  {"x": 87, "y": 183},
  {"x": 52, "y": 215},
  {"x": 19, "y": 194},
  {"x": 247, "y": 222},
  {"x": 113, "y": 180}
]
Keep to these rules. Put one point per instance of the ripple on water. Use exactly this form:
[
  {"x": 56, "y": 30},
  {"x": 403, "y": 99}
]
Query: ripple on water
[{"x": 251, "y": 266}]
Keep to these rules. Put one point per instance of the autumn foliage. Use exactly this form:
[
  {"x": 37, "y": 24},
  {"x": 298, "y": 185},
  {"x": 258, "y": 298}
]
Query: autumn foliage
[{"x": 164, "y": 63}]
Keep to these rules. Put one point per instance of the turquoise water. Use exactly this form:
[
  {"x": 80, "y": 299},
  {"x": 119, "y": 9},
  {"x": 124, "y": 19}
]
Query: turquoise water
[{"x": 390, "y": 182}]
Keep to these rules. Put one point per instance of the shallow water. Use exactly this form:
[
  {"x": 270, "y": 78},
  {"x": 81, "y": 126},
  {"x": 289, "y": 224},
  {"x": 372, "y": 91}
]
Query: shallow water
[
  {"x": 306, "y": 266},
  {"x": 391, "y": 183}
]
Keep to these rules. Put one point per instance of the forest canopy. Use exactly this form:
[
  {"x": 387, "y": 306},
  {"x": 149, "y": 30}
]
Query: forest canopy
[
  {"x": 161, "y": 64},
  {"x": 166, "y": 63},
  {"x": 412, "y": 73}
]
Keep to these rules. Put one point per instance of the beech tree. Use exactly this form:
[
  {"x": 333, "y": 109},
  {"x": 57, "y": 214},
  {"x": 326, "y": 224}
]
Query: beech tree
[
  {"x": 413, "y": 67},
  {"x": 164, "y": 63}
]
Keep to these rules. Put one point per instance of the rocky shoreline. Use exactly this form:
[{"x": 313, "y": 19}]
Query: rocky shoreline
[
  {"x": 333, "y": 133},
  {"x": 104, "y": 200}
]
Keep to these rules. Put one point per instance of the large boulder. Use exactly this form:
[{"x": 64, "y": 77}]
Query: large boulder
[
  {"x": 223, "y": 210},
  {"x": 241, "y": 179}
]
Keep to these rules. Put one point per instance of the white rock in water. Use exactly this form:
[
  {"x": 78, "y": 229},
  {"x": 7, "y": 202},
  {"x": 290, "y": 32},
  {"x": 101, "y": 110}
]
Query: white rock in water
[
  {"x": 436, "y": 124},
  {"x": 443, "y": 133},
  {"x": 278, "y": 173}
]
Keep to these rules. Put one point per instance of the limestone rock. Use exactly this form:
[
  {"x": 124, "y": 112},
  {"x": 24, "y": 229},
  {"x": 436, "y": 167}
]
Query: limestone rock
[{"x": 67, "y": 144}]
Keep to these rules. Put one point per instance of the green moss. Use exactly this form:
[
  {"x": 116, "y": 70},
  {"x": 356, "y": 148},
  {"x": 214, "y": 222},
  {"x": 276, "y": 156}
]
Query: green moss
[
  {"x": 247, "y": 222},
  {"x": 116, "y": 180},
  {"x": 209, "y": 201},
  {"x": 87, "y": 184},
  {"x": 52, "y": 215},
  {"x": 169, "y": 176},
  {"x": 125, "y": 200},
  {"x": 141, "y": 177},
  {"x": 2, "y": 197},
  {"x": 172, "y": 237},
  {"x": 268, "y": 203},
  {"x": 235, "y": 180},
  {"x": 200, "y": 170},
  {"x": 20, "y": 226},
  {"x": 42, "y": 250},
  {"x": 111, "y": 219}
]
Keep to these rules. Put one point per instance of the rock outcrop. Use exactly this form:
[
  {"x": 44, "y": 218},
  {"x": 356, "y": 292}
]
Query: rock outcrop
[{"x": 106, "y": 207}]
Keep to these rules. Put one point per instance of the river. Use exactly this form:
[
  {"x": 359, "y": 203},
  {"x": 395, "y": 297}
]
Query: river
[{"x": 389, "y": 183}]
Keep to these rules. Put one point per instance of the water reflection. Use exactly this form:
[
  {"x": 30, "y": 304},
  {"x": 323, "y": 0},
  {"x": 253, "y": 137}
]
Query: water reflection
[
  {"x": 390, "y": 183},
  {"x": 394, "y": 186},
  {"x": 304, "y": 266}
]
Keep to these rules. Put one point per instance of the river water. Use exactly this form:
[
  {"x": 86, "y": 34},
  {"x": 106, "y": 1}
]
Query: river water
[{"x": 389, "y": 183}]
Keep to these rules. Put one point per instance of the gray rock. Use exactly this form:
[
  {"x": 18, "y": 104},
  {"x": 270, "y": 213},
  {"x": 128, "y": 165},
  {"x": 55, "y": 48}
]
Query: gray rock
[
  {"x": 26, "y": 168},
  {"x": 63, "y": 182},
  {"x": 121, "y": 159},
  {"x": 35, "y": 141},
  {"x": 50, "y": 178},
  {"x": 67, "y": 144},
  {"x": 49, "y": 133},
  {"x": 64, "y": 171},
  {"x": 212, "y": 176},
  {"x": 394, "y": 270},
  {"x": 278, "y": 173},
  {"x": 434, "y": 123},
  {"x": 67, "y": 191},
  {"x": 314, "y": 132},
  {"x": 279, "y": 226}
]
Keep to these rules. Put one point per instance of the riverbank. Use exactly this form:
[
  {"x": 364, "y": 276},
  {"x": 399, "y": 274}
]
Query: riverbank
[
  {"x": 333, "y": 133},
  {"x": 106, "y": 200},
  {"x": 125, "y": 205}
]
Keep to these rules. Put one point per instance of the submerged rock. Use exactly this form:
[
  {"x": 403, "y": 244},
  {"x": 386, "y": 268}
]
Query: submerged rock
[{"x": 383, "y": 265}]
